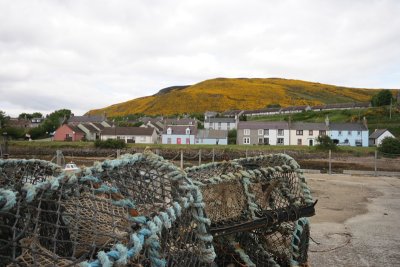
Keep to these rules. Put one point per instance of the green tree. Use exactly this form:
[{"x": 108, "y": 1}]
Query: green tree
[
  {"x": 3, "y": 119},
  {"x": 325, "y": 143},
  {"x": 390, "y": 146},
  {"x": 382, "y": 98},
  {"x": 232, "y": 134}
]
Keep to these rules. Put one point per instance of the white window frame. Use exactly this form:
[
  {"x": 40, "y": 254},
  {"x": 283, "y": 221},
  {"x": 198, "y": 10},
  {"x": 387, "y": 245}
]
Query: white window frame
[
  {"x": 266, "y": 132},
  {"x": 281, "y": 132},
  {"x": 246, "y": 140},
  {"x": 283, "y": 141},
  {"x": 261, "y": 132},
  {"x": 246, "y": 132}
]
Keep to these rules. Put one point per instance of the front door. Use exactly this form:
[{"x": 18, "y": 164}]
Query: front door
[
  {"x": 311, "y": 142},
  {"x": 178, "y": 141}
]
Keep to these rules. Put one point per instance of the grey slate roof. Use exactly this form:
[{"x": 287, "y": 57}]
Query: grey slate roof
[
  {"x": 265, "y": 110},
  {"x": 308, "y": 126},
  {"x": 127, "y": 131},
  {"x": 98, "y": 125},
  {"x": 211, "y": 134},
  {"x": 90, "y": 127},
  {"x": 75, "y": 129},
  {"x": 347, "y": 127},
  {"x": 377, "y": 133},
  {"x": 177, "y": 129},
  {"x": 263, "y": 125},
  {"x": 88, "y": 118},
  {"x": 224, "y": 120}
]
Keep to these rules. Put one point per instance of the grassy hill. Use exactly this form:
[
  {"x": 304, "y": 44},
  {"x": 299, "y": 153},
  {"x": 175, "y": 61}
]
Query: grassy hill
[{"x": 223, "y": 94}]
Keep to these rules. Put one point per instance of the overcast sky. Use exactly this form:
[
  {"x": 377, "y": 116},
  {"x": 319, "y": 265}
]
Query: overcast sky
[{"x": 82, "y": 54}]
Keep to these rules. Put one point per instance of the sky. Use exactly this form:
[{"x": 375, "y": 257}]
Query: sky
[{"x": 87, "y": 54}]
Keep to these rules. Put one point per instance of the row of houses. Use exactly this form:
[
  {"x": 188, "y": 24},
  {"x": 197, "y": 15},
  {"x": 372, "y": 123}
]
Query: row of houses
[
  {"x": 185, "y": 131},
  {"x": 294, "y": 109},
  {"x": 301, "y": 133}
]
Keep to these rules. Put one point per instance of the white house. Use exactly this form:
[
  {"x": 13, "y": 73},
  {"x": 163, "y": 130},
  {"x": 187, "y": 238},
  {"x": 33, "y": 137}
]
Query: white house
[
  {"x": 130, "y": 134},
  {"x": 263, "y": 133},
  {"x": 220, "y": 123},
  {"x": 212, "y": 137},
  {"x": 376, "y": 138},
  {"x": 179, "y": 135},
  {"x": 305, "y": 134}
]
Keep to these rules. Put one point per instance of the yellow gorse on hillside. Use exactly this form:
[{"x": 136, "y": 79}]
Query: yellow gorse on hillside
[{"x": 225, "y": 94}]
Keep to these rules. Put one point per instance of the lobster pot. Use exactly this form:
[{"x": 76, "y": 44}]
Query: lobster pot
[
  {"x": 58, "y": 221},
  {"x": 14, "y": 173},
  {"x": 278, "y": 187},
  {"x": 165, "y": 202}
]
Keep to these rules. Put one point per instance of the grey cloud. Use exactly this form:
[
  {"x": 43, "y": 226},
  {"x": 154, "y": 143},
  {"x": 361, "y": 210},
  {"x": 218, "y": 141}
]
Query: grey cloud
[{"x": 90, "y": 54}]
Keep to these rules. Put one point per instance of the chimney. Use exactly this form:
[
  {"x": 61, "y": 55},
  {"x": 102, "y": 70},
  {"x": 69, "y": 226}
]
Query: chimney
[
  {"x": 327, "y": 121},
  {"x": 365, "y": 122},
  {"x": 104, "y": 116}
]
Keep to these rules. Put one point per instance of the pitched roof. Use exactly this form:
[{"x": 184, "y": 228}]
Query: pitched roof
[
  {"x": 181, "y": 130},
  {"x": 211, "y": 134},
  {"x": 265, "y": 110},
  {"x": 377, "y": 133},
  {"x": 292, "y": 108},
  {"x": 88, "y": 118},
  {"x": 98, "y": 125},
  {"x": 232, "y": 112},
  {"x": 74, "y": 128},
  {"x": 127, "y": 131},
  {"x": 347, "y": 126},
  {"x": 182, "y": 121},
  {"x": 90, "y": 127},
  {"x": 221, "y": 120},
  {"x": 308, "y": 126},
  {"x": 263, "y": 125},
  {"x": 342, "y": 105}
]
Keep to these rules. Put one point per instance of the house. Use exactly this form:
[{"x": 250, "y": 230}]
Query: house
[
  {"x": 340, "y": 106},
  {"x": 19, "y": 123},
  {"x": 295, "y": 109},
  {"x": 68, "y": 132},
  {"x": 92, "y": 132},
  {"x": 75, "y": 120},
  {"x": 262, "y": 112},
  {"x": 180, "y": 122},
  {"x": 220, "y": 123},
  {"x": 35, "y": 122},
  {"x": 263, "y": 133},
  {"x": 212, "y": 137},
  {"x": 210, "y": 114},
  {"x": 232, "y": 113},
  {"x": 376, "y": 138},
  {"x": 179, "y": 134},
  {"x": 306, "y": 133},
  {"x": 349, "y": 134},
  {"x": 137, "y": 135}
]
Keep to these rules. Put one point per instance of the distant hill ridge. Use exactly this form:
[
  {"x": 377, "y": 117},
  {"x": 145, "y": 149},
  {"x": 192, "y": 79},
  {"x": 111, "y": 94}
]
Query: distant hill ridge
[{"x": 223, "y": 94}]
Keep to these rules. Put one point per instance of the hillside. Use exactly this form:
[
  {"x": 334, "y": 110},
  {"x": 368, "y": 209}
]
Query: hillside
[{"x": 224, "y": 94}]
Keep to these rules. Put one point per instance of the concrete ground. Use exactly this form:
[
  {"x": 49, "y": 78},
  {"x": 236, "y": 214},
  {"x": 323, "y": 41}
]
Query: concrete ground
[{"x": 357, "y": 221}]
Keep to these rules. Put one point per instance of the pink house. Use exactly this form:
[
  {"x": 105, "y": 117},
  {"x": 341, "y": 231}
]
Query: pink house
[{"x": 68, "y": 133}]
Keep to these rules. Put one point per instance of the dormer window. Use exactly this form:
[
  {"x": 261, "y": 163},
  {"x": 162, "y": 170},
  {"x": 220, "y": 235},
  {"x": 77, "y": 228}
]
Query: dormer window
[
  {"x": 169, "y": 131},
  {"x": 187, "y": 131}
]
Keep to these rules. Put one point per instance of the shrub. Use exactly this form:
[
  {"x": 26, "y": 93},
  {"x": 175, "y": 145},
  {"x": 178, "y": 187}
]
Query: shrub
[
  {"x": 382, "y": 98},
  {"x": 110, "y": 143},
  {"x": 325, "y": 143},
  {"x": 390, "y": 145},
  {"x": 232, "y": 137}
]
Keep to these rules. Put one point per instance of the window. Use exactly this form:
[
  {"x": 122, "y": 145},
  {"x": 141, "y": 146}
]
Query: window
[
  {"x": 187, "y": 131},
  {"x": 246, "y": 131},
  {"x": 169, "y": 131},
  {"x": 358, "y": 132},
  {"x": 266, "y": 141},
  {"x": 187, "y": 141},
  {"x": 299, "y": 142},
  {"x": 260, "y": 132},
  {"x": 340, "y": 133},
  {"x": 280, "y": 132},
  {"x": 348, "y": 132},
  {"x": 260, "y": 140},
  {"x": 246, "y": 140},
  {"x": 279, "y": 141},
  {"x": 310, "y": 132},
  {"x": 322, "y": 132},
  {"x": 266, "y": 131},
  {"x": 299, "y": 132},
  {"x": 219, "y": 124},
  {"x": 178, "y": 141}
]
